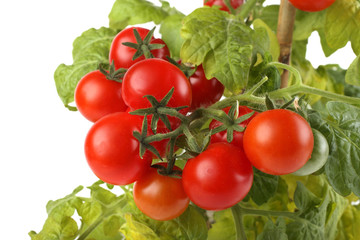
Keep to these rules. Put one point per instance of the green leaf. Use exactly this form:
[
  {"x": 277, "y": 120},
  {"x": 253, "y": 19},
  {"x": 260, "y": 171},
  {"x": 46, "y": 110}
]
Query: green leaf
[
  {"x": 353, "y": 73},
  {"x": 89, "y": 50},
  {"x": 224, "y": 44},
  {"x": 349, "y": 224},
  {"x": 306, "y": 23},
  {"x": 223, "y": 228},
  {"x": 170, "y": 33},
  {"x": 59, "y": 224},
  {"x": 341, "y": 25},
  {"x": 264, "y": 187},
  {"x": 274, "y": 231},
  {"x": 274, "y": 44},
  {"x": 131, "y": 12},
  {"x": 342, "y": 132}
]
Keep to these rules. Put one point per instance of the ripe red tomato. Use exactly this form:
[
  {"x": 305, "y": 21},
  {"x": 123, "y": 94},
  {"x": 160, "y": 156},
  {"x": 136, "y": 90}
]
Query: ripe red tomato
[
  {"x": 122, "y": 55},
  {"x": 204, "y": 92},
  {"x": 160, "y": 197},
  {"x": 156, "y": 77},
  {"x": 218, "y": 178},
  {"x": 112, "y": 151},
  {"x": 237, "y": 136},
  {"x": 96, "y": 96},
  {"x": 312, "y": 6},
  {"x": 234, "y": 3},
  {"x": 278, "y": 141}
]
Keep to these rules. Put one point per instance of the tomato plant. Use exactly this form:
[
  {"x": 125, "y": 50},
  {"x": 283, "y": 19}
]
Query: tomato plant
[
  {"x": 234, "y": 3},
  {"x": 218, "y": 178},
  {"x": 312, "y": 6},
  {"x": 278, "y": 141},
  {"x": 204, "y": 91},
  {"x": 319, "y": 155},
  {"x": 96, "y": 96},
  {"x": 122, "y": 55},
  {"x": 188, "y": 121},
  {"x": 237, "y": 136},
  {"x": 112, "y": 152},
  {"x": 160, "y": 197}
]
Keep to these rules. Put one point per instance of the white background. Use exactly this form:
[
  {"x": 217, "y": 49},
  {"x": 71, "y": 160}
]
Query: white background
[{"x": 41, "y": 142}]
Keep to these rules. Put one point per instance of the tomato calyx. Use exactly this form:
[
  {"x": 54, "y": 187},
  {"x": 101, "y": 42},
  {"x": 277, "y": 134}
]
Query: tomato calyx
[
  {"x": 143, "y": 46},
  {"x": 113, "y": 74},
  {"x": 160, "y": 110},
  {"x": 186, "y": 69}
]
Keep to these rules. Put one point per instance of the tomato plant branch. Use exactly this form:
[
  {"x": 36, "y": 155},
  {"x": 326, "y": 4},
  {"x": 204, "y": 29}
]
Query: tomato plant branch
[
  {"x": 285, "y": 28},
  {"x": 246, "y": 8},
  {"x": 305, "y": 89},
  {"x": 237, "y": 213}
]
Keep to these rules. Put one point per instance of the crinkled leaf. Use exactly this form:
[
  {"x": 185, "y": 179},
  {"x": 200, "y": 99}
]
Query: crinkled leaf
[
  {"x": 89, "y": 50},
  {"x": 353, "y": 73},
  {"x": 342, "y": 131},
  {"x": 264, "y": 187},
  {"x": 342, "y": 24},
  {"x": 131, "y": 12},
  {"x": 224, "y": 44},
  {"x": 223, "y": 228},
  {"x": 274, "y": 231},
  {"x": 349, "y": 224}
]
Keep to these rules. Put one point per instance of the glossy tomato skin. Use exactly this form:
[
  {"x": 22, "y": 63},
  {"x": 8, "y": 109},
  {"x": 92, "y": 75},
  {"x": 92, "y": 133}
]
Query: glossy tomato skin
[
  {"x": 278, "y": 141},
  {"x": 112, "y": 151},
  {"x": 204, "y": 92},
  {"x": 218, "y": 178},
  {"x": 160, "y": 197},
  {"x": 234, "y": 3},
  {"x": 312, "y": 6},
  {"x": 96, "y": 96},
  {"x": 156, "y": 77},
  {"x": 122, "y": 55},
  {"x": 237, "y": 136}
]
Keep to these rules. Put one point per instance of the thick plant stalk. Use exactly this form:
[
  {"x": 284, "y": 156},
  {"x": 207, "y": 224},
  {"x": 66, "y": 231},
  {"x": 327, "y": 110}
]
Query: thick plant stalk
[{"x": 285, "y": 29}]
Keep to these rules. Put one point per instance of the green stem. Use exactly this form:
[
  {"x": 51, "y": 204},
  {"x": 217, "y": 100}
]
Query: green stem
[
  {"x": 268, "y": 213},
  {"x": 246, "y": 8},
  {"x": 304, "y": 89},
  {"x": 238, "y": 219},
  {"x": 291, "y": 69}
]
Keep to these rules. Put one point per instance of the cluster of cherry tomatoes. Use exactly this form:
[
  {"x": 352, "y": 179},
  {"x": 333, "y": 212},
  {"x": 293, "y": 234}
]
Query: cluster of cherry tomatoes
[{"x": 141, "y": 76}]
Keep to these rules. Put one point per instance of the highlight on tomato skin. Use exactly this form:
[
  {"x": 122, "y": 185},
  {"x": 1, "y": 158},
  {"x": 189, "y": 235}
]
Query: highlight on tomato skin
[
  {"x": 160, "y": 197},
  {"x": 218, "y": 178},
  {"x": 96, "y": 96},
  {"x": 112, "y": 151},
  {"x": 278, "y": 141},
  {"x": 311, "y": 5}
]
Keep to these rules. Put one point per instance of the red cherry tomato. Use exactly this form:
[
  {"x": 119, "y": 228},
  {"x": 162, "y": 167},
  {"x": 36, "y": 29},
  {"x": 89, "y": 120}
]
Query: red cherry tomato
[
  {"x": 160, "y": 197},
  {"x": 218, "y": 178},
  {"x": 234, "y": 3},
  {"x": 156, "y": 77},
  {"x": 312, "y": 6},
  {"x": 112, "y": 151},
  {"x": 237, "y": 136},
  {"x": 278, "y": 141},
  {"x": 96, "y": 96},
  {"x": 122, "y": 55},
  {"x": 204, "y": 92}
]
